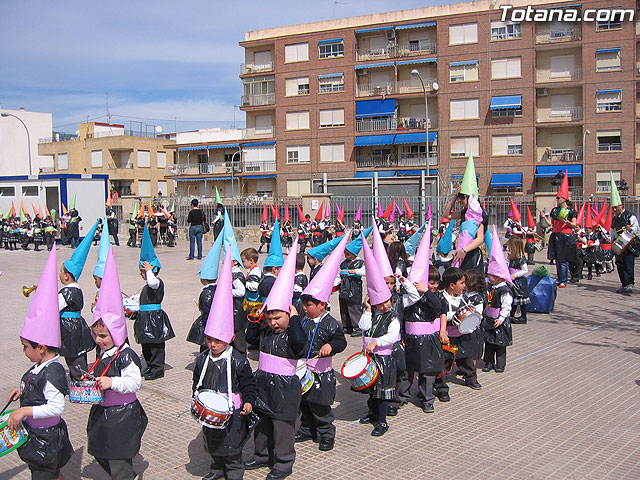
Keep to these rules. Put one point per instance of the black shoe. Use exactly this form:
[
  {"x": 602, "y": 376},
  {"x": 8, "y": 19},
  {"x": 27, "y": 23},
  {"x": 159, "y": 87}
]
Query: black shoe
[
  {"x": 277, "y": 474},
  {"x": 213, "y": 476},
  {"x": 326, "y": 444},
  {"x": 356, "y": 333},
  {"x": 302, "y": 437},
  {"x": 379, "y": 430},
  {"x": 473, "y": 384},
  {"x": 146, "y": 371},
  {"x": 392, "y": 411},
  {"x": 518, "y": 320},
  {"x": 499, "y": 369},
  {"x": 347, "y": 331},
  {"x": 428, "y": 408},
  {"x": 254, "y": 465},
  {"x": 589, "y": 277},
  {"x": 153, "y": 376},
  {"x": 443, "y": 397},
  {"x": 367, "y": 419},
  {"x": 487, "y": 367}
]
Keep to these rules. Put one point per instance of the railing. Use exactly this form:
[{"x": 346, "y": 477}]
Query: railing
[
  {"x": 260, "y": 166},
  {"x": 113, "y": 166},
  {"x": 121, "y": 133},
  {"x": 609, "y": 147},
  {"x": 58, "y": 137},
  {"x": 363, "y": 54},
  {"x": 416, "y": 160},
  {"x": 394, "y": 87},
  {"x": 258, "y": 100},
  {"x": 47, "y": 169},
  {"x": 247, "y": 68},
  {"x": 546, "y": 76},
  {"x": 562, "y": 154},
  {"x": 375, "y": 124},
  {"x": 561, "y": 114},
  {"x": 409, "y": 123},
  {"x": 261, "y": 132},
  {"x": 223, "y": 168},
  {"x": 416, "y": 48},
  {"x": 392, "y": 160},
  {"x": 609, "y": 107},
  {"x": 559, "y": 35}
]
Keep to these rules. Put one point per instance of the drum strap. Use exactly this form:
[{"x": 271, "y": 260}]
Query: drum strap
[
  {"x": 107, "y": 367},
  {"x": 315, "y": 330},
  {"x": 226, "y": 355}
]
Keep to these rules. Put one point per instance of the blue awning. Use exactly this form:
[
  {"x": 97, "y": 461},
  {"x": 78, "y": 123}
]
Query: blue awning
[
  {"x": 257, "y": 144},
  {"x": 461, "y": 176},
  {"x": 374, "y": 65},
  {"x": 418, "y": 60},
  {"x": 187, "y": 149},
  {"x": 608, "y": 50},
  {"x": 381, "y": 173},
  {"x": 505, "y": 102},
  {"x": 202, "y": 179},
  {"x": 332, "y": 40},
  {"x": 331, "y": 75},
  {"x": 255, "y": 177},
  {"x": 609, "y": 91},
  {"x": 547, "y": 171},
  {"x": 376, "y": 108},
  {"x": 418, "y": 137},
  {"x": 228, "y": 145},
  {"x": 506, "y": 180},
  {"x": 432, "y": 172},
  {"x": 377, "y": 29},
  {"x": 466, "y": 62},
  {"x": 372, "y": 140},
  {"x": 415, "y": 25}
]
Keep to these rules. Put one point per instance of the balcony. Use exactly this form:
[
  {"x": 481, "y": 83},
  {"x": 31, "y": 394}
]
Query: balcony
[
  {"x": 394, "y": 161},
  {"x": 248, "y": 68},
  {"x": 560, "y": 114},
  {"x": 394, "y": 88},
  {"x": 610, "y": 147},
  {"x": 408, "y": 123},
  {"x": 364, "y": 125},
  {"x": 364, "y": 54},
  {"x": 546, "y": 76},
  {"x": 573, "y": 154},
  {"x": 419, "y": 47},
  {"x": 251, "y": 133},
  {"x": 221, "y": 168},
  {"x": 259, "y": 166},
  {"x": 258, "y": 100},
  {"x": 558, "y": 35}
]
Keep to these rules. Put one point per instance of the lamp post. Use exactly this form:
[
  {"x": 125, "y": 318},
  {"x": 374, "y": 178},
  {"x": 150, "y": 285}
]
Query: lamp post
[
  {"x": 434, "y": 86},
  {"x": 238, "y": 152},
  {"x": 5, "y": 114},
  {"x": 584, "y": 157}
]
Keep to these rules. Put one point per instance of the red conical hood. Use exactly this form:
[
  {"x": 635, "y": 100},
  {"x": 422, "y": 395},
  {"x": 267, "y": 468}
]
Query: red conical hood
[
  {"x": 530, "y": 221},
  {"x": 286, "y": 213},
  {"x": 580, "y": 217},
  {"x": 607, "y": 222},
  {"x": 589, "y": 221},
  {"x": 516, "y": 213},
  {"x": 320, "y": 212},
  {"x": 407, "y": 209},
  {"x": 563, "y": 192},
  {"x": 300, "y": 214},
  {"x": 387, "y": 212},
  {"x": 265, "y": 214}
]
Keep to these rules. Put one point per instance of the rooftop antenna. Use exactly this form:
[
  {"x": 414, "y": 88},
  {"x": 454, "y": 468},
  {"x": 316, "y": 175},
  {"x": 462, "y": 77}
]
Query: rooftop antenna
[{"x": 108, "y": 112}]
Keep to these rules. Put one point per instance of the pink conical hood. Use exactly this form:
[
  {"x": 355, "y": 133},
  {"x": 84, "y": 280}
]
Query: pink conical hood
[
  {"x": 429, "y": 214},
  {"x": 358, "y": 216},
  {"x": 376, "y": 285},
  {"x": 498, "y": 264},
  {"x": 321, "y": 286},
  {"x": 380, "y": 212},
  {"x": 42, "y": 323},
  {"x": 380, "y": 254},
  {"x": 109, "y": 304},
  {"x": 220, "y": 321},
  {"x": 420, "y": 268},
  {"x": 327, "y": 209},
  {"x": 281, "y": 294}
]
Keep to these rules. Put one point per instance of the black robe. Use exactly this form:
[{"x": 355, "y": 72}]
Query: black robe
[
  {"x": 48, "y": 448},
  {"x": 265, "y": 285},
  {"x": 470, "y": 344},
  {"x": 424, "y": 353},
  {"x": 397, "y": 306},
  {"x": 501, "y": 335},
  {"x": 196, "y": 332},
  {"x": 116, "y": 432},
  {"x": 564, "y": 244},
  {"x": 386, "y": 363},
  {"x": 76, "y": 335},
  {"x": 231, "y": 439},
  {"x": 154, "y": 326}
]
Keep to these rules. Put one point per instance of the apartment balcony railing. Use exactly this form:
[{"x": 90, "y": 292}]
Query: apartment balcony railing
[
  {"x": 559, "y": 35},
  {"x": 561, "y": 114},
  {"x": 392, "y": 123},
  {"x": 223, "y": 168},
  {"x": 258, "y": 132},
  {"x": 258, "y": 100},
  {"x": 562, "y": 154},
  {"x": 394, "y": 87},
  {"x": 610, "y": 147},
  {"x": 364, "y": 54},
  {"x": 417, "y": 160},
  {"x": 416, "y": 48},
  {"x": 246, "y": 68},
  {"x": 409, "y": 123},
  {"x": 58, "y": 137},
  {"x": 546, "y": 76},
  {"x": 260, "y": 166},
  {"x": 392, "y": 160}
]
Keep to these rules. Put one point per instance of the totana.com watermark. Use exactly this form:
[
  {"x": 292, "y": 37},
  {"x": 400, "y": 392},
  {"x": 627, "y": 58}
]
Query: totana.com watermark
[{"x": 531, "y": 14}]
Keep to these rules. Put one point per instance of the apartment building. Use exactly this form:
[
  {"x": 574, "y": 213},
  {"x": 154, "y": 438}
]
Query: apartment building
[
  {"x": 347, "y": 105},
  {"x": 134, "y": 160}
]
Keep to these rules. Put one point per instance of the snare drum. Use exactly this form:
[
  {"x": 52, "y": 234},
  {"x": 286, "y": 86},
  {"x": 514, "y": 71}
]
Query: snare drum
[
  {"x": 538, "y": 246},
  {"x": 9, "y": 439},
  {"x": 622, "y": 242},
  {"x": 360, "y": 371},
  {"x": 131, "y": 305},
  {"x": 211, "y": 409},
  {"x": 466, "y": 319},
  {"x": 85, "y": 391},
  {"x": 305, "y": 375}
]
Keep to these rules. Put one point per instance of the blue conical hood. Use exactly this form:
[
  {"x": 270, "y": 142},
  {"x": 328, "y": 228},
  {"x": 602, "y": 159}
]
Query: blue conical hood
[
  {"x": 76, "y": 263},
  {"x": 209, "y": 269},
  {"x": 275, "y": 258},
  {"x": 355, "y": 246},
  {"x": 411, "y": 245},
  {"x": 445, "y": 245},
  {"x": 147, "y": 253},
  {"x": 229, "y": 239},
  {"x": 321, "y": 251},
  {"x": 103, "y": 250}
]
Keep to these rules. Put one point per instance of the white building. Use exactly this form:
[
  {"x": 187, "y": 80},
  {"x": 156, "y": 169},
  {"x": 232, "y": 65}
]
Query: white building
[{"x": 14, "y": 150}]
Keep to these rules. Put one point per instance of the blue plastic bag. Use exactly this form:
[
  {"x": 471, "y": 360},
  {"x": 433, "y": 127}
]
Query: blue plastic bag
[{"x": 543, "y": 294}]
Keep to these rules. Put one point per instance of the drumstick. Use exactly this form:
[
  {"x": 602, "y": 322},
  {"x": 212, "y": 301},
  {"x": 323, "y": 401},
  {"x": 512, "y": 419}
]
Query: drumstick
[
  {"x": 303, "y": 364},
  {"x": 86, "y": 374},
  {"x": 6, "y": 406}
]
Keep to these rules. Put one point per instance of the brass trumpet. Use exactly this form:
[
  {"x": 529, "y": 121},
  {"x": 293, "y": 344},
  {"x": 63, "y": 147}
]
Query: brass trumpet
[{"x": 26, "y": 291}]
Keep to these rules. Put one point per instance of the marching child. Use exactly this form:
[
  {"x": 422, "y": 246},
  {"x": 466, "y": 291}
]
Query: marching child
[
  {"x": 223, "y": 369},
  {"x": 518, "y": 267},
  {"x": 272, "y": 264},
  {"x": 443, "y": 256},
  {"x": 314, "y": 265},
  {"x": 282, "y": 341},
  {"x": 350, "y": 296},
  {"x": 117, "y": 372},
  {"x": 496, "y": 322},
  {"x": 301, "y": 280},
  {"x": 43, "y": 387},
  {"x": 590, "y": 243}
]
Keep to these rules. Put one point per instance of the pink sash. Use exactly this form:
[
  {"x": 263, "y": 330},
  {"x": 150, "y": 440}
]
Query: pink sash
[
  {"x": 42, "y": 422},
  {"x": 378, "y": 350},
  {"x": 493, "y": 312},
  {"x": 277, "y": 365},
  {"x": 422, "y": 328},
  {"x": 320, "y": 365},
  {"x": 112, "y": 399},
  {"x": 237, "y": 400}
]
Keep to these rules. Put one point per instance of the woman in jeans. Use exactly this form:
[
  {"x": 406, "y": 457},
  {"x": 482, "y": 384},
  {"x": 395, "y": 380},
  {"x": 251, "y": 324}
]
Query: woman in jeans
[{"x": 195, "y": 220}]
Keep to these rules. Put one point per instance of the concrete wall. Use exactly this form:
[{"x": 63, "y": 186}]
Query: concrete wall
[{"x": 14, "y": 158}]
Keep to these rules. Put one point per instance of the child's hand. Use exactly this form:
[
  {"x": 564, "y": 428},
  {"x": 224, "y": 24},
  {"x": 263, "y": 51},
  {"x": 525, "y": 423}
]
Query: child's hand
[
  {"x": 326, "y": 350},
  {"x": 370, "y": 347},
  {"x": 104, "y": 383},
  {"x": 444, "y": 338},
  {"x": 15, "y": 419},
  {"x": 146, "y": 266},
  {"x": 14, "y": 395},
  {"x": 497, "y": 323},
  {"x": 293, "y": 310},
  {"x": 513, "y": 276},
  {"x": 399, "y": 277},
  {"x": 420, "y": 287},
  {"x": 367, "y": 305},
  {"x": 247, "y": 408}
]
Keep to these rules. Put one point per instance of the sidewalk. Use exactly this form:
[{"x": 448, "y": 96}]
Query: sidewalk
[{"x": 566, "y": 407}]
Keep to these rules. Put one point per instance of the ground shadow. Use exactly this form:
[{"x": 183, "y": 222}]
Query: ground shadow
[{"x": 12, "y": 472}]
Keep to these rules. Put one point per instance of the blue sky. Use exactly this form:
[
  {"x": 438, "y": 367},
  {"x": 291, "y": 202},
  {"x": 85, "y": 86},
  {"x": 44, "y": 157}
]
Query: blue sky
[{"x": 157, "y": 60}]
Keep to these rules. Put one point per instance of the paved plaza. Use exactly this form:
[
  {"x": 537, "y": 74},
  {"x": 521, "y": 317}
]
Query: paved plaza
[{"x": 567, "y": 407}]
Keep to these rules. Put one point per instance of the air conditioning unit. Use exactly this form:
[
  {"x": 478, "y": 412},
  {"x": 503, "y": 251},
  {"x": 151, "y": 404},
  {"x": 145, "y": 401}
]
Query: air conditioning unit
[
  {"x": 391, "y": 34},
  {"x": 542, "y": 92},
  {"x": 361, "y": 71}
]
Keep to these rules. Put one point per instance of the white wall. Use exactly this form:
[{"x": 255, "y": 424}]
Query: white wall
[
  {"x": 90, "y": 200},
  {"x": 209, "y": 135},
  {"x": 13, "y": 142}
]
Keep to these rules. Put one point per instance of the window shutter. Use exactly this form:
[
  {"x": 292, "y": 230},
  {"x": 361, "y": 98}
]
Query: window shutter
[
  {"x": 500, "y": 144},
  {"x": 499, "y": 68},
  {"x": 457, "y": 145},
  {"x": 457, "y": 109},
  {"x": 514, "y": 67}
]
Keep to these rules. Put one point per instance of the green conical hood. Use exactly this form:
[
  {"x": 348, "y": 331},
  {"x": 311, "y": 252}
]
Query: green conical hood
[
  {"x": 469, "y": 182},
  {"x": 173, "y": 207},
  {"x": 218, "y": 199},
  {"x": 54, "y": 214},
  {"x": 72, "y": 204},
  {"x": 23, "y": 217},
  {"x": 615, "y": 196},
  {"x": 134, "y": 213}
]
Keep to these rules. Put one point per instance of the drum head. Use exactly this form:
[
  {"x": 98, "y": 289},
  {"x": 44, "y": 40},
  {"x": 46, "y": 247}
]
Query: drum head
[
  {"x": 213, "y": 400},
  {"x": 355, "y": 366},
  {"x": 301, "y": 370},
  {"x": 469, "y": 323}
]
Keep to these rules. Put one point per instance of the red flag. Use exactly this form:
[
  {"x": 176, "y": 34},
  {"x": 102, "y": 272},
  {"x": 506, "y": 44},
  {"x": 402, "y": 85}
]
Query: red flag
[
  {"x": 265, "y": 214},
  {"x": 320, "y": 212},
  {"x": 300, "y": 214}
]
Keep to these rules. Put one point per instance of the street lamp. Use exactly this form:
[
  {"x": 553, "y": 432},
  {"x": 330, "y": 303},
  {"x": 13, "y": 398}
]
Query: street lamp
[
  {"x": 584, "y": 157},
  {"x": 5, "y": 114},
  {"x": 239, "y": 151},
  {"x": 434, "y": 86}
]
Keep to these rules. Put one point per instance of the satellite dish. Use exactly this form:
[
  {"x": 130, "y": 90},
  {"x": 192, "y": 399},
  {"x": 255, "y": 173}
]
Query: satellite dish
[
  {"x": 436, "y": 86},
  {"x": 158, "y": 129}
]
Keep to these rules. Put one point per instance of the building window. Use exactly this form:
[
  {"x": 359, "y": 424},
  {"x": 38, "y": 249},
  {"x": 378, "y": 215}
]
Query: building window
[
  {"x": 96, "y": 158},
  {"x": 144, "y": 188},
  {"x": 505, "y": 30},
  {"x": 614, "y": 22},
  {"x": 505, "y": 68},
  {"x": 296, "y": 52},
  {"x": 502, "y": 145},
  {"x": 463, "y": 146},
  {"x": 332, "y": 152},
  {"x": 297, "y": 188},
  {"x": 30, "y": 191},
  {"x": 609, "y": 100},
  {"x": 507, "y": 112},
  {"x": 608, "y": 59},
  {"x": 297, "y": 120},
  {"x": 464, "y": 33},
  {"x": 162, "y": 188},
  {"x": 331, "y": 83},
  {"x": 332, "y": 118},
  {"x": 331, "y": 48},
  {"x": 609, "y": 140},
  {"x": 259, "y": 90},
  {"x": 603, "y": 180},
  {"x": 464, "y": 109},
  {"x": 144, "y": 158},
  {"x": 296, "y": 86},
  {"x": 63, "y": 161},
  {"x": 7, "y": 191},
  {"x": 298, "y": 154},
  {"x": 463, "y": 71},
  {"x": 562, "y": 66},
  {"x": 161, "y": 159}
]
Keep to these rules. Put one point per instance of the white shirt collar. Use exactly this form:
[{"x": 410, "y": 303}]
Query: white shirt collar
[
  {"x": 223, "y": 356},
  {"x": 74, "y": 284},
  {"x": 38, "y": 368},
  {"x": 109, "y": 353}
]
